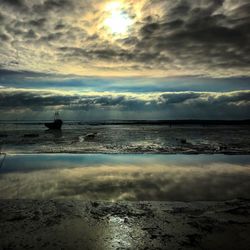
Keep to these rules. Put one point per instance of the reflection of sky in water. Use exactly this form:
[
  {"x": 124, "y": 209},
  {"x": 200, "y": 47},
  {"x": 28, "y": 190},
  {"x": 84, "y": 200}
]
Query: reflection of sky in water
[{"x": 126, "y": 177}]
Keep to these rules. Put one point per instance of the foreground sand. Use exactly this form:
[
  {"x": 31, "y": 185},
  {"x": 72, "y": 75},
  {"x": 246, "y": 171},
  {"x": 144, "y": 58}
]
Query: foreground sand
[{"x": 60, "y": 224}]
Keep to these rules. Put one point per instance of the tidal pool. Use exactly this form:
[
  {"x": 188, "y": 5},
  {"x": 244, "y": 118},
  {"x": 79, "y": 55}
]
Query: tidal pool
[{"x": 125, "y": 177}]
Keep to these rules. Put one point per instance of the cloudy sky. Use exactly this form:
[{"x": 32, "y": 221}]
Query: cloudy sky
[{"x": 134, "y": 59}]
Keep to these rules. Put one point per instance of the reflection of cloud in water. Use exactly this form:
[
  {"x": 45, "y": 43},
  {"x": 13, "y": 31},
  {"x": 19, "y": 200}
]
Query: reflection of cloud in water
[{"x": 131, "y": 182}]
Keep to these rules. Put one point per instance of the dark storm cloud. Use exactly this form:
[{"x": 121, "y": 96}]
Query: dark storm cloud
[
  {"x": 194, "y": 37},
  {"x": 14, "y": 6},
  {"x": 200, "y": 32},
  {"x": 4, "y": 37},
  {"x": 13, "y": 74},
  {"x": 53, "y": 5},
  {"x": 29, "y": 28},
  {"x": 1, "y": 18},
  {"x": 13, "y": 3},
  {"x": 38, "y": 7},
  {"x": 29, "y": 99},
  {"x": 38, "y": 22},
  {"x": 182, "y": 104}
]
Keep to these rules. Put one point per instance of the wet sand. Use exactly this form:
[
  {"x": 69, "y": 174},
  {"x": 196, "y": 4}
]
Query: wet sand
[
  {"x": 60, "y": 224},
  {"x": 125, "y": 139}
]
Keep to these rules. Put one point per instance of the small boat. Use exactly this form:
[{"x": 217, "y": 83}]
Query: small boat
[
  {"x": 90, "y": 136},
  {"x": 57, "y": 124}
]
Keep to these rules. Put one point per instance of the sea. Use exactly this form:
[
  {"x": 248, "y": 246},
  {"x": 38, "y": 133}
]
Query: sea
[
  {"x": 125, "y": 177},
  {"x": 123, "y": 137},
  {"x": 124, "y": 161}
]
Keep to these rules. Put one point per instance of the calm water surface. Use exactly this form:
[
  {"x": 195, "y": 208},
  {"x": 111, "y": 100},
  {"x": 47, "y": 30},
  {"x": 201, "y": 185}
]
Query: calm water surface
[{"x": 125, "y": 177}]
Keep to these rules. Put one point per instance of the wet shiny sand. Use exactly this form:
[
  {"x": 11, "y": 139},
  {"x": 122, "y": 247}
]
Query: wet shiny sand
[{"x": 54, "y": 224}]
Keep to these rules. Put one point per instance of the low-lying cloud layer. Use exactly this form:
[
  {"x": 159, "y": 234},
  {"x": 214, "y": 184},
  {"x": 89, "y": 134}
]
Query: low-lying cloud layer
[
  {"x": 171, "y": 38},
  {"x": 164, "y": 105}
]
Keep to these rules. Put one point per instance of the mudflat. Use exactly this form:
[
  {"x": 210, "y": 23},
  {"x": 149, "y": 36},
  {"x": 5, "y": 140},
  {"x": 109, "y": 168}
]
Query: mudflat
[{"x": 60, "y": 224}]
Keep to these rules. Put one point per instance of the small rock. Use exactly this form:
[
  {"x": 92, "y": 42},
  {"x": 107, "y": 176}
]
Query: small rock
[
  {"x": 126, "y": 220},
  {"x": 94, "y": 204}
]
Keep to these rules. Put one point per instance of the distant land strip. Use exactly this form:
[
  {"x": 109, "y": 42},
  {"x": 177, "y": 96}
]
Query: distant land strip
[{"x": 138, "y": 122}]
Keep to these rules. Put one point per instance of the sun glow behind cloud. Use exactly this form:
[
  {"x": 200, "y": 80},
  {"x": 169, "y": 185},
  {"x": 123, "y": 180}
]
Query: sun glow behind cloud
[
  {"x": 118, "y": 21},
  {"x": 112, "y": 38}
]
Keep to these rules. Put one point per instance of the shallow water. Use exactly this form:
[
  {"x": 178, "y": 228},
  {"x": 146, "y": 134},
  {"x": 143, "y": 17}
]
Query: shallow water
[
  {"x": 125, "y": 177},
  {"x": 134, "y": 138}
]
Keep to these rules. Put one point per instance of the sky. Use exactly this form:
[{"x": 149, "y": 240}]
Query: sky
[{"x": 134, "y": 59}]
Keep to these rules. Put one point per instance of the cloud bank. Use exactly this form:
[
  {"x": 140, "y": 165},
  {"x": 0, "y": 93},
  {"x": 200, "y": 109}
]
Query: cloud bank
[{"x": 110, "y": 105}]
